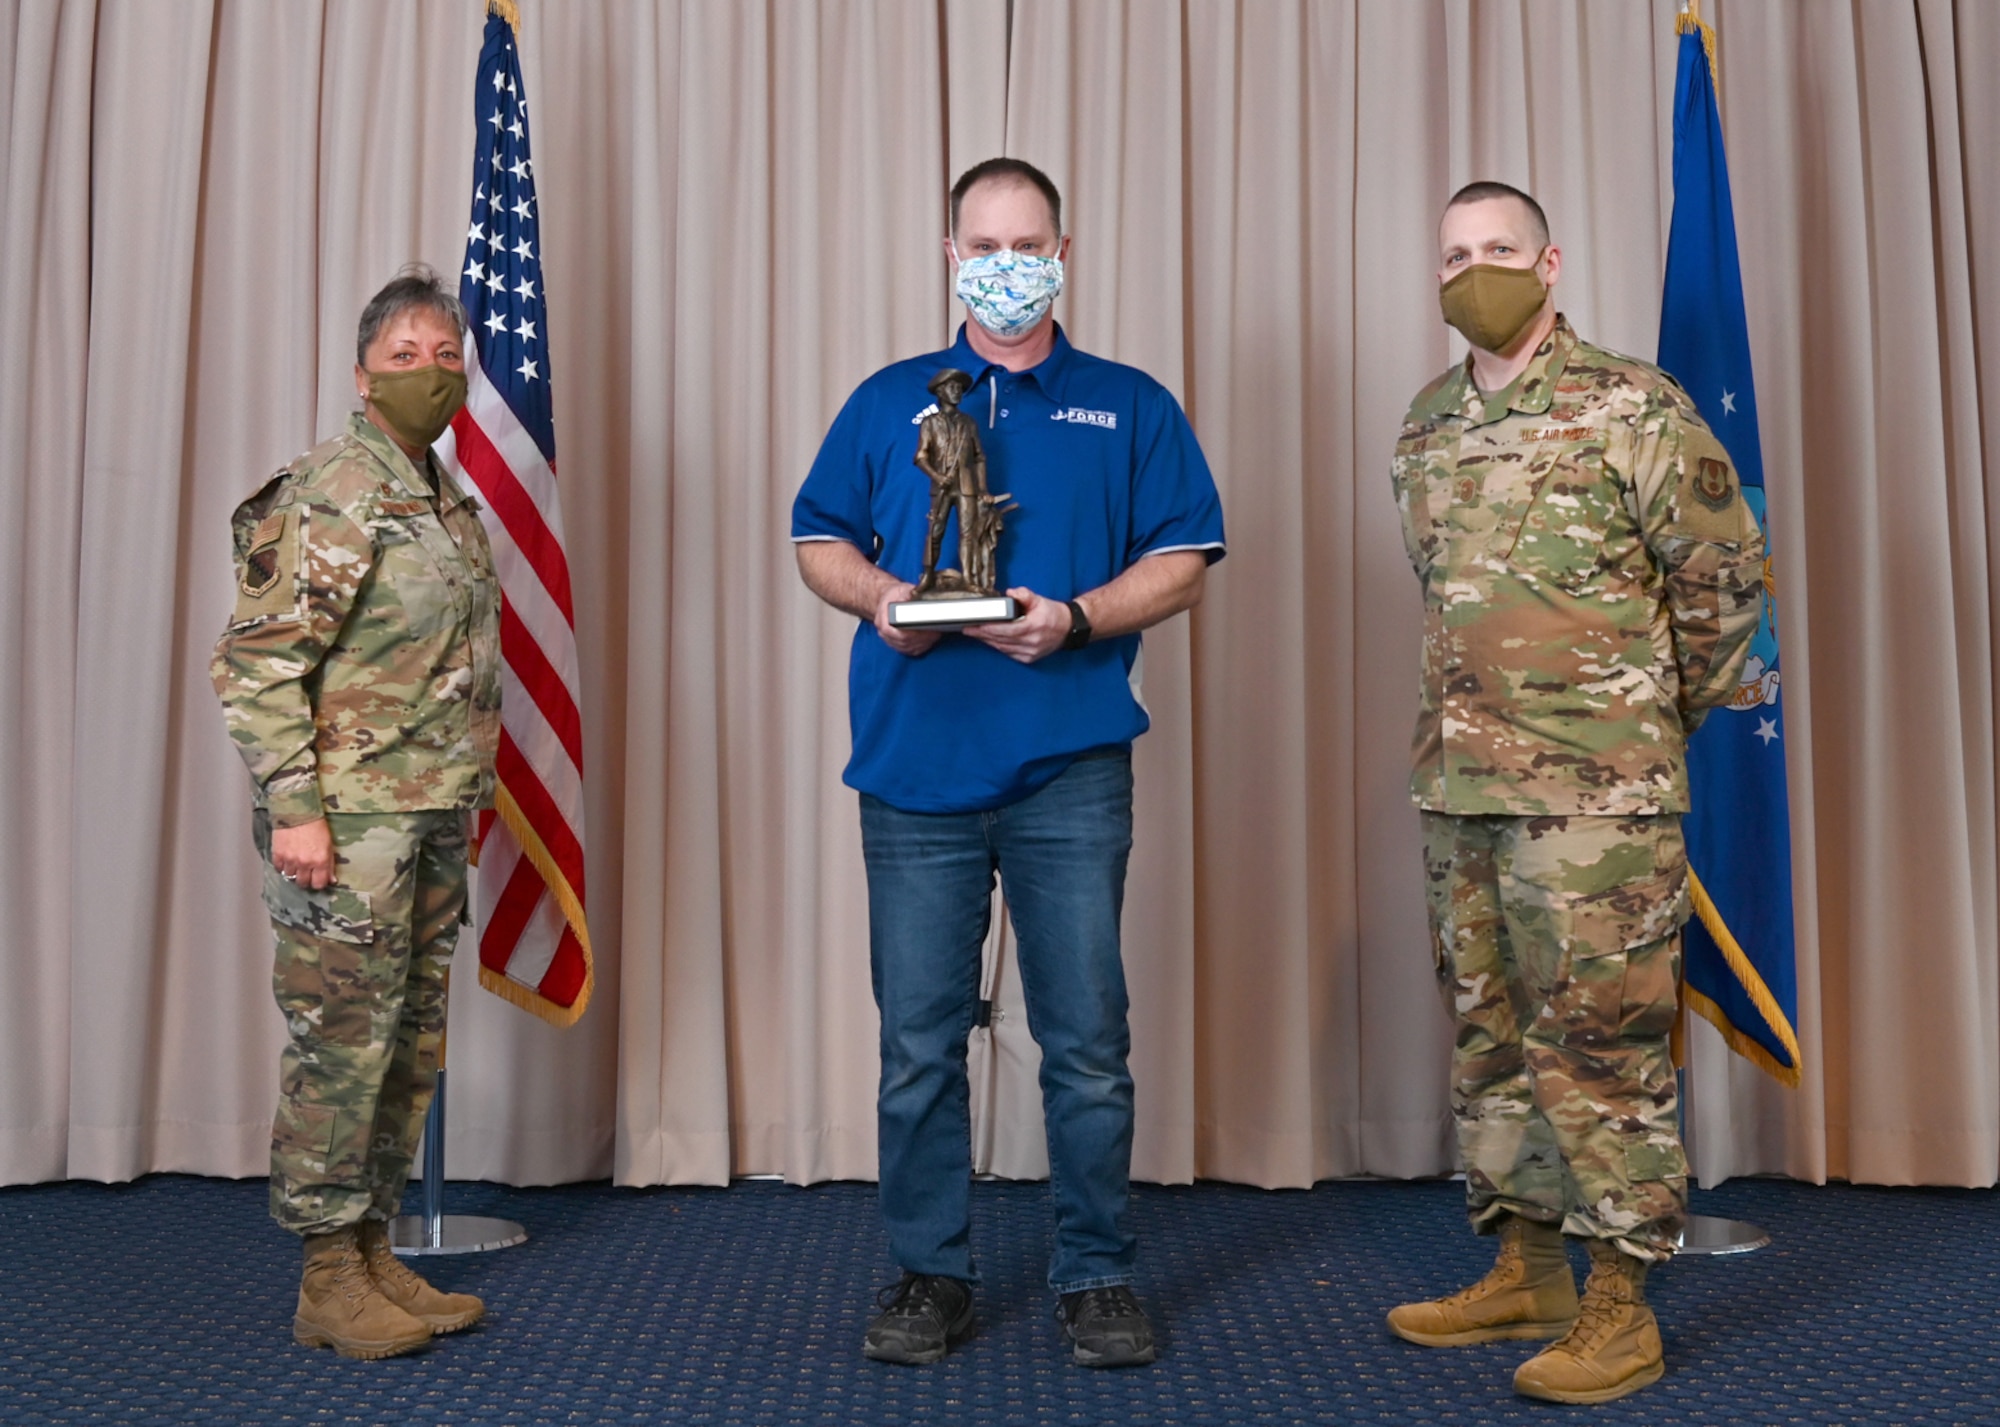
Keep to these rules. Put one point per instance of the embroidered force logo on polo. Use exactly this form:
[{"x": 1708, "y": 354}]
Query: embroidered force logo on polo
[{"x": 1077, "y": 415}]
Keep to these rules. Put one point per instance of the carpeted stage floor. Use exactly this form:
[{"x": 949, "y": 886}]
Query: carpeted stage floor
[{"x": 169, "y": 1301}]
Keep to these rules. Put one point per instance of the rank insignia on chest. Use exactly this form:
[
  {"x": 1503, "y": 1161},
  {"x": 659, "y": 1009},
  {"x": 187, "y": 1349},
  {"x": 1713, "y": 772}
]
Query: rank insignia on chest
[
  {"x": 1713, "y": 485},
  {"x": 1465, "y": 490}
]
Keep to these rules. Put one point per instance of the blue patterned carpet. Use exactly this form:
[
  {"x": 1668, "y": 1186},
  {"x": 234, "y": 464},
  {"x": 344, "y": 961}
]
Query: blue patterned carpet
[{"x": 169, "y": 1301}]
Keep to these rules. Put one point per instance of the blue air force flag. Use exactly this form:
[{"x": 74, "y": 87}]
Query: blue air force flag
[{"x": 1740, "y": 971}]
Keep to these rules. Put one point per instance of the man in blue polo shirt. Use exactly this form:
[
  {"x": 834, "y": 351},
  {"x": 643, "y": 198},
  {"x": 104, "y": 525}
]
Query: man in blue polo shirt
[{"x": 1006, "y": 748}]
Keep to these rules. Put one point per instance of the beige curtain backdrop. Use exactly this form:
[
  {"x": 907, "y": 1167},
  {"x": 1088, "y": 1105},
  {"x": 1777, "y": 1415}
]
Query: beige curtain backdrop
[{"x": 742, "y": 207}]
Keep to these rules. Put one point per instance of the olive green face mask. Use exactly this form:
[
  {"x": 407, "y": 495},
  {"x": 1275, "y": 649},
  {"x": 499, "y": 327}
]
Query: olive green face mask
[
  {"x": 1492, "y": 305},
  {"x": 418, "y": 404}
]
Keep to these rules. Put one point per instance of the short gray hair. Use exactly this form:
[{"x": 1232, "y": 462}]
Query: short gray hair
[{"x": 417, "y": 285}]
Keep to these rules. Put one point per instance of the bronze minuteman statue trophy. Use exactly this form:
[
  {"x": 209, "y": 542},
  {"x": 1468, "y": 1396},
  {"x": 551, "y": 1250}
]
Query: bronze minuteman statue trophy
[{"x": 948, "y": 451}]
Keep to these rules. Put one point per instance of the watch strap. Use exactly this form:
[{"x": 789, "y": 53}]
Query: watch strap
[{"x": 1079, "y": 627}]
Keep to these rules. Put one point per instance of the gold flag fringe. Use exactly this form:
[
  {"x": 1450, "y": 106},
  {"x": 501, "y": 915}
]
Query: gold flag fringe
[
  {"x": 1760, "y": 996},
  {"x": 1688, "y": 22},
  {"x": 505, "y": 987},
  {"x": 507, "y": 10}
]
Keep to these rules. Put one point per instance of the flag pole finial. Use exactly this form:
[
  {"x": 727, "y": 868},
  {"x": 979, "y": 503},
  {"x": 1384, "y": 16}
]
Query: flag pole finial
[{"x": 507, "y": 10}]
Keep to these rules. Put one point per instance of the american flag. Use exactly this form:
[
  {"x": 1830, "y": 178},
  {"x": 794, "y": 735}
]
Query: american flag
[{"x": 534, "y": 946}]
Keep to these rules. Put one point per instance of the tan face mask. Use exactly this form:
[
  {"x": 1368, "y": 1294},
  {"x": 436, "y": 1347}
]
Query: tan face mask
[
  {"x": 1492, "y": 305},
  {"x": 418, "y": 404}
]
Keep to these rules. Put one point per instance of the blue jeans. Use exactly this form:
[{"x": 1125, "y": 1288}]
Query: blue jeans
[{"x": 1060, "y": 854}]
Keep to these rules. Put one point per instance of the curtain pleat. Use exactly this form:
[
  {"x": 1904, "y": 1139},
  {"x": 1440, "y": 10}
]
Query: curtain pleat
[{"x": 45, "y": 107}]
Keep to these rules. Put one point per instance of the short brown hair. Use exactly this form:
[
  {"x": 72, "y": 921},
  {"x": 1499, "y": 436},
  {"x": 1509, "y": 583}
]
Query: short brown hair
[
  {"x": 1010, "y": 171},
  {"x": 1487, "y": 188}
]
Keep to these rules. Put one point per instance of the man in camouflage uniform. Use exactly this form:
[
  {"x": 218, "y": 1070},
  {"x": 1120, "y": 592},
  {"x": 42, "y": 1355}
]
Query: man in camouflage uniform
[
  {"x": 360, "y": 678},
  {"x": 1591, "y": 579}
]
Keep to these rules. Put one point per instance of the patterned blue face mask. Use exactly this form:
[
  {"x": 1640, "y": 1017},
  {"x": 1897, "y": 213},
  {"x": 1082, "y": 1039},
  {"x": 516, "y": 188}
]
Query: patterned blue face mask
[{"x": 1009, "y": 292}]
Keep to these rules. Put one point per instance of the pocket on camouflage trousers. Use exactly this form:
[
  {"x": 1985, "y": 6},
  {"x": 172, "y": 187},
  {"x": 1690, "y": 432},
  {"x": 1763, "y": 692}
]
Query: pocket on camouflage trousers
[
  {"x": 1437, "y": 908},
  {"x": 303, "y": 1132},
  {"x": 1655, "y": 1159},
  {"x": 1624, "y": 918},
  {"x": 334, "y": 913},
  {"x": 1619, "y": 952},
  {"x": 328, "y": 964}
]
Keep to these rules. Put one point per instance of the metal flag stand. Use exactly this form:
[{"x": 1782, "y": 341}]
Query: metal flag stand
[
  {"x": 1704, "y": 1237},
  {"x": 434, "y": 1231}
]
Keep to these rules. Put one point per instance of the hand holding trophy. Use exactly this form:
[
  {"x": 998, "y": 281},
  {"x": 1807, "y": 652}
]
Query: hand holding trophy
[{"x": 948, "y": 451}]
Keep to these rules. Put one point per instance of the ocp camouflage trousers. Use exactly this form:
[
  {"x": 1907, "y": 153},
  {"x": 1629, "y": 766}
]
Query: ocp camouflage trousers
[
  {"x": 360, "y": 977},
  {"x": 1558, "y": 953}
]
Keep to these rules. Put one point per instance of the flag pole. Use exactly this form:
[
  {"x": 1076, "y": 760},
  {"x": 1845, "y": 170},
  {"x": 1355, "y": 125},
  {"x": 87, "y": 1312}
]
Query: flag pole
[
  {"x": 1705, "y": 344},
  {"x": 1704, "y": 1235},
  {"x": 508, "y": 418},
  {"x": 433, "y": 1231}
]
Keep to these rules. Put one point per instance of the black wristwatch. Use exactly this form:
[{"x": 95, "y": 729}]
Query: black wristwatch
[{"x": 1079, "y": 627}]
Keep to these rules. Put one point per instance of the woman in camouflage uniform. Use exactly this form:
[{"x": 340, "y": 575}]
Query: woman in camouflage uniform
[{"x": 360, "y": 679}]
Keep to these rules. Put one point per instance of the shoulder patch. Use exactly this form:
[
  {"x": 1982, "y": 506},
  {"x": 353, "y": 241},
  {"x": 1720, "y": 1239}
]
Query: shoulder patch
[
  {"x": 1714, "y": 483},
  {"x": 265, "y": 578}
]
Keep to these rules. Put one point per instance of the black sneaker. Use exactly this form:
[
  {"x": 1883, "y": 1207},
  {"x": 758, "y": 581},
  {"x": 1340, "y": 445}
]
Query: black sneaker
[
  {"x": 1107, "y": 1328},
  {"x": 920, "y": 1318}
]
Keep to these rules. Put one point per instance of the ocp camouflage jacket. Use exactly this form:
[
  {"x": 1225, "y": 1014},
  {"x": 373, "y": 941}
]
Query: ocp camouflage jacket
[
  {"x": 360, "y": 672},
  {"x": 1591, "y": 577}
]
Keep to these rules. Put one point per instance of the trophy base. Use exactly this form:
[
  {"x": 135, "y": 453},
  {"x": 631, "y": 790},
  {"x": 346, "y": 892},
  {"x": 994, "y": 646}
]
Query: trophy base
[{"x": 953, "y": 611}]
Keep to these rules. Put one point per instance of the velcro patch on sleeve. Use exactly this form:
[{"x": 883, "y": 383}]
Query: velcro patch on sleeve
[
  {"x": 267, "y": 581},
  {"x": 260, "y": 564},
  {"x": 1709, "y": 501}
]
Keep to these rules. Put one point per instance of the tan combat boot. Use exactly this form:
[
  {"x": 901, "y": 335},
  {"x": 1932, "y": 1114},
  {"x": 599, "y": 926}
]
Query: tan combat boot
[
  {"x": 1528, "y": 1294},
  {"x": 402, "y": 1286},
  {"x": 1614, "y": 1348},
  {"x": 340, "y": 1307}
]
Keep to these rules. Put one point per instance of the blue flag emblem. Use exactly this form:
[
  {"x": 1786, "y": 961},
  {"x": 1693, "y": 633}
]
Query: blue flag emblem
[{"x": 1741, "y": 973}]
